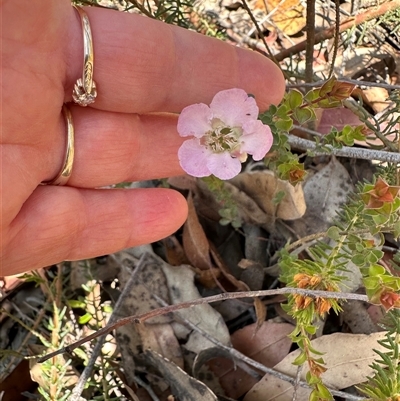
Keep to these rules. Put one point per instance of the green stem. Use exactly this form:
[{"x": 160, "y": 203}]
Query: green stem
[{"x": 335, "y": 252}]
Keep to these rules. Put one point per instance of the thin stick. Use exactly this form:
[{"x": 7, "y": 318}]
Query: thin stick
[
  {"x": 349, "y": 23},
  {"x": 138, "y": 319},
  {"x": 251, "y": 362},
  {"x": 310, "y": 42},
  {"x": 337, "y": 34},
  {"x": 345, "y": 151},
  {"x": 259, "y": 31}
]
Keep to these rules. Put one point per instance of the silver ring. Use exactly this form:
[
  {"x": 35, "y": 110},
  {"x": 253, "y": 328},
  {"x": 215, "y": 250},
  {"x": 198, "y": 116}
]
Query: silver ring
[
  {"x": 63, "y": 176},
  {"x": 85, "y": 92}
]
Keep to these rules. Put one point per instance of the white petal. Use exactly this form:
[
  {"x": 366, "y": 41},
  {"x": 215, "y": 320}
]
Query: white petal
[
  {"x": 256, "y": 140},
  {"x": 193, "y": 158},
  {"x": 223, "y": 165},
  {"x": 234, "y": 107},
  {"x": 194, "y": 120}
]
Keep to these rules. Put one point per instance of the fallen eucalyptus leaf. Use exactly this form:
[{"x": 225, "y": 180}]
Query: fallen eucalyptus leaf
[
  {"x": 347, "y": 357},
  {"x": 183, "y": 386}
]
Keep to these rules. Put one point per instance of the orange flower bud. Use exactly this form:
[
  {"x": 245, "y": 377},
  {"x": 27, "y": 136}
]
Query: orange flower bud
[
  {"x": 315, "y": 280},
  {"x": 390, "y": 300},
  {"x": 302, "y": 280},
  {"x": 323, "y": 305},
  {"x": 316, "y": 369},
  {"x": 380, "y": 194}
]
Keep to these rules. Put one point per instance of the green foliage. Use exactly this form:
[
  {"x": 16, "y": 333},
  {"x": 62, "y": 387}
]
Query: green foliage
[
  {"x": 355, "y": 239},
  {"x": 384, "y": 385},
  {"x": 300, "y": 109},
  {"x": 357, "y": 236},
  {"x": 228, "y": 208},
  {"x": 57, "y": 376},
  {"x": 55, "y": 385},
  {"x": 346, "y": 136}
]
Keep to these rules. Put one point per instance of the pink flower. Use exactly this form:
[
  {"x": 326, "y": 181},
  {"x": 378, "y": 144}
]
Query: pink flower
[{"x": 224, "y": 134}]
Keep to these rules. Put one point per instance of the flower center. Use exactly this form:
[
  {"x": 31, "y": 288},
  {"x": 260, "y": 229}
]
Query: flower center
[{"x": 222, "y": 138}]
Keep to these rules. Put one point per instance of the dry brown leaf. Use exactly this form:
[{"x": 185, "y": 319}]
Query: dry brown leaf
[
  {"x": 174, "y": 252},
  {"x": 261, "y": 314},
  {"x": 225, "y": 271},
  {"x": 180, "y": 281},
  {"x": 268, "y": 346},
  {"x": 17, "y": 381},
  {"x": 324, "y": 192},
  {"x": 208, "y": 278},
  {"x": 161, "y": 339},
  {"x": 358, "y": 58},
  {"x": 287, "y": 15},
  {"x": 263, "y": 186},
  {"x": 183, "y": 386},
  {"x": 148, "y": 281},
  {"x": 376, "y": 98},
  {"x": 249, "y": 211},
  {"x": 195, "y": 241},
  {"x": 347, "y": 357}
]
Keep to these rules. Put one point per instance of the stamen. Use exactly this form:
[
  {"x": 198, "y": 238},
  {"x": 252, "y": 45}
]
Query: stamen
[{"x": 222, "y": 138}]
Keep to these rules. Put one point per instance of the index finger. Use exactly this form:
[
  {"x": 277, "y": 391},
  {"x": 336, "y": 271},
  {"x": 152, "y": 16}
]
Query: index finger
[{"x": 143, "y": 65}]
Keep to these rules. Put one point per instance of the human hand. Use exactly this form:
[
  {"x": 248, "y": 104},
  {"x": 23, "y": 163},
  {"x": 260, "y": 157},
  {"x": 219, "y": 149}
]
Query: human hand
[{"x": 145, "y": 71}]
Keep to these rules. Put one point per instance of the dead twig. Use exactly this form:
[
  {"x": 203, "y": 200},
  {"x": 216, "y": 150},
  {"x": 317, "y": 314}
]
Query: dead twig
[
  {"x": 347, "y": 24},
  {"x": 251, "y": 362},
  {"x": 139, "y": 319},
  {"x": 259, "y": 31},
  {"x": 352, "y": 81},
  {"x": 336, "y": 37},
  {"x": 345, "y": 151},
  {"x": 310, "y": 42}
]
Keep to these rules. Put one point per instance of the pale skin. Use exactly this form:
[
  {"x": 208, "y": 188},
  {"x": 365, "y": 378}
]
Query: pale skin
[{"x": 142, "y": 67}]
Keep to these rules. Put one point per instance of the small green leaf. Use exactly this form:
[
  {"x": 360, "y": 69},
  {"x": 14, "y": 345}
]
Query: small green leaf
[
  {"x": 374, "y": 256},
  {"x": 303, "y": 115},
  {"x": 396, "y": 230},
  {"x": 359, "y": 260},
  {"x": 294, "y": 98},
  {"x": 224, "y": 222},
  {"x": 300, "y": 359},
  {"x": 312, "y": 95},
  {"x": 333, "y": 233},
  {"x": 371, "y": 283},
  {"x": 85, "y": 318},
  {"x": 311, "y": 380},
  {"x": 376, "y": 270},
  {"x": 327, "y": 86},
  {"x": 310, "y": 330},
  {"x": 81, "y": 354},
  {"x": 108, "y": 308},
  {"x": 314, "y": 396},
  {"x": 324, "y": 392},
  {"x": 74, "y": 303},
  {"x": 284, "y": 124},
  {"x": 380, "y": 219}
]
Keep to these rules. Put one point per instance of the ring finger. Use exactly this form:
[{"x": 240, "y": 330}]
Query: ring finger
[{"x": 116, "y": 147}]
